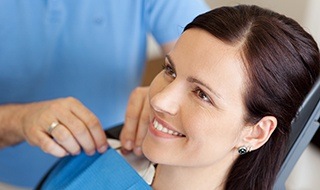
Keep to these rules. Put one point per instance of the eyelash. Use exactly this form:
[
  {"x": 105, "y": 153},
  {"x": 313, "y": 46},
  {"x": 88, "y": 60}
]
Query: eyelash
[
  {"x": 169, "y": 70},
  {"x": 202, "y": 95}
]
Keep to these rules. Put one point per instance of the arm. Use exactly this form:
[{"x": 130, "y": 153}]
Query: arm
[
  {"x": 78, "y": 127},
  {"x": 10, "y": 132}
]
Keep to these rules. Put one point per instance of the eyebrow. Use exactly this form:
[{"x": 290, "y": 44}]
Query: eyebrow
[{"x": 194, "y": 80}]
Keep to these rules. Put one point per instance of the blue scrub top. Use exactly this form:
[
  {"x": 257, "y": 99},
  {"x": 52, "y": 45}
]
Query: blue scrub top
[{"x": 92, "y": 50}]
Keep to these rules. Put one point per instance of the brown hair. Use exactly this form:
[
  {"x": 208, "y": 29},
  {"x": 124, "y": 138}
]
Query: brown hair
[{"x": 282, "y": 61}]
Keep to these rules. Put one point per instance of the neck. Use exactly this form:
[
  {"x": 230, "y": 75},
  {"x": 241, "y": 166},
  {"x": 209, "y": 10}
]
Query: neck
[{"x": 172, "y": 177}]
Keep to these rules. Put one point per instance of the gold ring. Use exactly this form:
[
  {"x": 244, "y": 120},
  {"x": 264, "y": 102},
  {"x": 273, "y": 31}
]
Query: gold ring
[{"x": 52, "y": 126}]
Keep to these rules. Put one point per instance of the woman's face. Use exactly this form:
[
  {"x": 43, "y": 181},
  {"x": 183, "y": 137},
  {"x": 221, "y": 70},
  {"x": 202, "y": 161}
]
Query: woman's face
[{"x": 197, "y": 107}]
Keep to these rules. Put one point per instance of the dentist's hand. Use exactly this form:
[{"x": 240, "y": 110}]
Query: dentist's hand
[
  {"x": 136, "y": 121},
  {"x": 59, "y": 127}
]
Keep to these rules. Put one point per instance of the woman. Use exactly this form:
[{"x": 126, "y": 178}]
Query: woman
[{"x": 223, "y": 104}]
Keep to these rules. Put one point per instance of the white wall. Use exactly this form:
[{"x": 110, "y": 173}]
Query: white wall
[{"x": 311, "y": 19}]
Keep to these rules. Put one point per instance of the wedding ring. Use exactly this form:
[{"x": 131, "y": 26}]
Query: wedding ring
[{"x": 52, "y": 126}]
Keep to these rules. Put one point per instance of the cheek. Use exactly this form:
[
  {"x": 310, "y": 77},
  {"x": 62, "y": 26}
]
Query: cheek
[
  {"x": 149, "y": 149},
  {"x": 211, "y": 146},
  {"x": 212, "y": 133}
]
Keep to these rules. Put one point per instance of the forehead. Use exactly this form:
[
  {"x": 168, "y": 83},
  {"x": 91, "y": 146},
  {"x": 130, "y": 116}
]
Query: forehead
[
  {"x": 197, "y": 42},
  {"x": 200, "y": 54}
]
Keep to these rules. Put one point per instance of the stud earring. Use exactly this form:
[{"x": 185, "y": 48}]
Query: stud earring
[{"x": 243, "y": 150}]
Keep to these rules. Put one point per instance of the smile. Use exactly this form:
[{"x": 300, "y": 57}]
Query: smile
[{"x": 163, "y": 129}]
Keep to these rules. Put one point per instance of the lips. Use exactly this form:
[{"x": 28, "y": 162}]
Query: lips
[{"x": 160, "y": 127}]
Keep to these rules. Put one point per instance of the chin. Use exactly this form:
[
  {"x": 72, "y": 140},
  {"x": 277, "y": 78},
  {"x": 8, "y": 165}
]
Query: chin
[{"x": 151, "y": 151}]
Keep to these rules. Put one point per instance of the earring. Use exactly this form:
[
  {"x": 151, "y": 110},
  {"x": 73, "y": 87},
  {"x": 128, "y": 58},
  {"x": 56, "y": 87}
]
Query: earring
[{"x": 242, "y": 150}]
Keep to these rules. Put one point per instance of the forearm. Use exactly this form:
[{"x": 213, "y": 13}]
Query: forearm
[{"x": 10, "y": 125}]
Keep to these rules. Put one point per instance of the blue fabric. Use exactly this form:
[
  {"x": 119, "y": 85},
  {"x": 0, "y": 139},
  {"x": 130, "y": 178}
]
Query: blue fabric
[
  {"x": 101, "y": 171},
  {"x": 93, "y": 50}
]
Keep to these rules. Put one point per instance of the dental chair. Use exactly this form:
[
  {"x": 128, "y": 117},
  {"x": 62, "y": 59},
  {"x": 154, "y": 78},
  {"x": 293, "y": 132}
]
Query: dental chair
[{"x": 304, "y": 128}]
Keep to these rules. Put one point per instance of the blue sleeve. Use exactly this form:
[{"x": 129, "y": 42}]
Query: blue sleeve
[{"x": 166, "y": 19}]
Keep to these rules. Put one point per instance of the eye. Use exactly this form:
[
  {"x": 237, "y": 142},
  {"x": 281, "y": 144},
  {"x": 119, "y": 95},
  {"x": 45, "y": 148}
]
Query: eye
[
  {"x": 169, "y": 70},
  {"x": 202, "y": 95}
]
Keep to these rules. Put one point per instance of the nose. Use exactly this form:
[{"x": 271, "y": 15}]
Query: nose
[{"x": 169, "y": 99}]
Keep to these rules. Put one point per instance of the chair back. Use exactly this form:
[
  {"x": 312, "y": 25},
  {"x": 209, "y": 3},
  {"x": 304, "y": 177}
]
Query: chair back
[{"x": 304, "y": 126}]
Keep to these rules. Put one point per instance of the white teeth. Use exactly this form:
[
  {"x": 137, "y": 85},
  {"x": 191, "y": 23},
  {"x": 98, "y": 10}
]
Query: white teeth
[{"x": 163, "y": 129}]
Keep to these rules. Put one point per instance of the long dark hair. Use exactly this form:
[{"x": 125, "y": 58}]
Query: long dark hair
[{"x": 282, "y": 62}]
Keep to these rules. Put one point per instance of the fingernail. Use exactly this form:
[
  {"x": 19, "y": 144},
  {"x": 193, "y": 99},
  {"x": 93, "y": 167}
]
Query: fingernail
[
  {"x": 102, "y": 149},
  {"x": 137, "y": 151},
  {"x": 90, "y": 153},
  {"x": 124, "y": 151},
  {"x": 128, "y": 145},
  {"x": 76, "y": 153}
]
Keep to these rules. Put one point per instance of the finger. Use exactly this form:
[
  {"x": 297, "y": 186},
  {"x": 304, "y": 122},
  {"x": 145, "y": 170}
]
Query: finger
[
  {"x": 142, "y": 128},
  {"x": 65, "y": 139},
  {"x": 74, "y": 130},
  {"x": 93, "y": 125},
  {"x": 48, "y": 145},
  {"x": 37, "y": 135},
  {"x": 135, "y": 105}
]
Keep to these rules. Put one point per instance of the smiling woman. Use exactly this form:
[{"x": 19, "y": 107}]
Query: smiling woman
[
  {"x": 226, "y": 97},
  {"x": 222, "y": 107}
]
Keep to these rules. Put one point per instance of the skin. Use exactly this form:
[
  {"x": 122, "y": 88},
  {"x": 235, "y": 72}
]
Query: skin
[{"x": 199, "y": 95}]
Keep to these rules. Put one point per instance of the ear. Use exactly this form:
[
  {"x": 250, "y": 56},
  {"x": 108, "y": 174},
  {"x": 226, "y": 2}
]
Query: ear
[{"x": 259, "y": 133}]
